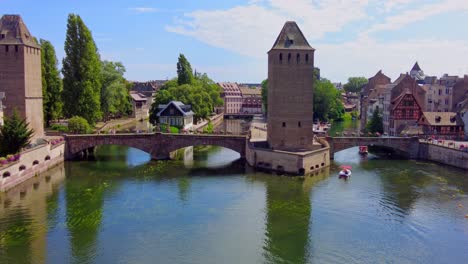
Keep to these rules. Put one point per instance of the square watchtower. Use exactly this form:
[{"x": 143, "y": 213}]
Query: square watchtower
[
  {"x": 290, "y": 91},
  {"x": 20, "y": 72}
]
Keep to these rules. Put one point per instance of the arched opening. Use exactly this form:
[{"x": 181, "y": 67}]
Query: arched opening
[
  {"x": 22, "y": 168},
  {"x": 351, "y": 154},
  {"x": 47, "y": 157},
  {"x": 6, "y": 174},
  {"x": 205, "y": 156},
  {"x": 35, "y": 162},
  {"x": 301, "y": 171}
]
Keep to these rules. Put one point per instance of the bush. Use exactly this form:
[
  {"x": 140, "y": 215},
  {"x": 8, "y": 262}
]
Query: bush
[
  {"x": 59, "y": 128},
  {"x": 78, "y": 125},
  {"x": 209, "y": 128}
]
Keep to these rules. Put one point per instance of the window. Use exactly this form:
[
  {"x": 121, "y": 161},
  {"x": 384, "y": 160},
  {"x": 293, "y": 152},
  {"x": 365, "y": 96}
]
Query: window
[
  {"x": 281, "y": 57},
  {"x": 289, "y": 57},
  {"x": 446, "y": 101},
  {"x": 299, "y": 124},
  {"x": 307, "y": 58},
  {"x": 16, "y": 48},
  {"x": 6, "y": 48},
  {"x": 3, "y": 36},
  {"x": 284, "y": 124},
  {"x": 447, "y": 91},
  {"x": 298, "y": 58},
  {"x": 440, "y": 91}
]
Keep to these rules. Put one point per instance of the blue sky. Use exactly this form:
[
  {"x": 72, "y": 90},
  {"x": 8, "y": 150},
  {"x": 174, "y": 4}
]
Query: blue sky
[{"x": 229, "y": 39}]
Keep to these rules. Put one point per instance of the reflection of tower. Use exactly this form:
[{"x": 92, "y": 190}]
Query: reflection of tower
[
  {"x": 290, "y": 91},
  {"x": 20, "y": 72},
  {"x": 288, "y": 218}
]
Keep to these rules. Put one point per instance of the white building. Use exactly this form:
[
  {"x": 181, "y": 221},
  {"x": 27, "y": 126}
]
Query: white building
[{"x": 176, "y": 114}]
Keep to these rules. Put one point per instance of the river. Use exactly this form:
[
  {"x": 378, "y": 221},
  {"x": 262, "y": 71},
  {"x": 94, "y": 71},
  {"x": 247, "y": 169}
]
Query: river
[{"x": 124, "y": 208}]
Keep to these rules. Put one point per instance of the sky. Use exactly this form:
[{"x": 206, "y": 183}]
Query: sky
[{"x": 229, "y": 39}]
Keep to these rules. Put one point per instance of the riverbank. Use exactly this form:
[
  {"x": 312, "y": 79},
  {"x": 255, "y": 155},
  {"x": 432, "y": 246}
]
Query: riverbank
[{"x": 31, "y": 163}]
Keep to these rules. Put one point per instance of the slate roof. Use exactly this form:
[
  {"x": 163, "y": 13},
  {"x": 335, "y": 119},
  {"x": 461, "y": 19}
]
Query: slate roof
[
  {"x": 291, "y": 37},
  {"x": 13, "y": 31},
  {"x": 416, "y": 67},
  {"x": 186, "y": 110},
  {"x": 442, "y": 119}
]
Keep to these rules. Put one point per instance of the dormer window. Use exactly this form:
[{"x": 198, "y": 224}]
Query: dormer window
[
  {"x": 437, "y": 119},
  {"x": 452, "y": 119}
]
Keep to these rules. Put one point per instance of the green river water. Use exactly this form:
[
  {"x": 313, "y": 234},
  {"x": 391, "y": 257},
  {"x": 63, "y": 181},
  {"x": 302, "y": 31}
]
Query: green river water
[{"x": 124, "y": 208}]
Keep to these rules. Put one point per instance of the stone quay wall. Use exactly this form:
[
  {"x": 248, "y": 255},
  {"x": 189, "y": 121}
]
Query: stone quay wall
[
  {"x": 443, "y": 155},
  {"x": 31, "y": 163}
]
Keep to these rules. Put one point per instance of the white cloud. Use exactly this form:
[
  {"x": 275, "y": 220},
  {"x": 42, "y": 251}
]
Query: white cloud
[
  {"x": 251, "y": 30},
  {"x": 418, "y": 14},
  {"x": 144, "y": 9}
]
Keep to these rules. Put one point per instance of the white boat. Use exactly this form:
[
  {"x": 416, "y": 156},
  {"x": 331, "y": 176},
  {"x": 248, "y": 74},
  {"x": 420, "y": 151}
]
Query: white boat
[{"x": 345, "y": 173}]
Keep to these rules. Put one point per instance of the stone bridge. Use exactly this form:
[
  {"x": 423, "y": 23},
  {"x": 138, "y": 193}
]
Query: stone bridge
[
  {"x": 158, "y": 145},
  {"x": 405, "y": 146}
]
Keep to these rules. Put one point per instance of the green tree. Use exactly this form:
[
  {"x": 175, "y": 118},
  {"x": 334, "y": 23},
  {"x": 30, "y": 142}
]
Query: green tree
[
  {"x": 14, "y": 135},
  {"x": 376, "y": 123},
  {"x": 265, "y": 95},
  {"x": 327, "y": 101},
  {"x": 184, "y": 71},
  {"x": 78, "y": 125},
  {"x": 51, "y": 83},
  {"x": 202, "y": 94},
  {"x": 81, "y": 72},
  {"x": 114, "y": 92},
  {"x": 355, "y": 84}
]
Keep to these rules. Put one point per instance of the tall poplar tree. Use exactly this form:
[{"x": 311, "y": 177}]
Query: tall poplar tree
[
  {"x": 81, "y": 72},
  {"x": 184, "y": 71},
  {"x": 51, "y": 83}
]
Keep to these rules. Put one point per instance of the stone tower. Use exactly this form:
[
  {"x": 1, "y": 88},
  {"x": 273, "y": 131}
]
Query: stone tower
[
  {"x": 290, "y": 91},
  {"x": 20, "y": 72}
]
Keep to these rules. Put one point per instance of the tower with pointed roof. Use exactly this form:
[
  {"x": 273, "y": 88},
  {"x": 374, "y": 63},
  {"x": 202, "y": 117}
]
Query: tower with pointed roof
[
  {"x": 417, "y": 73},
  {"x": 290, "y": 91},
  {"x": 20, "y": 72}
]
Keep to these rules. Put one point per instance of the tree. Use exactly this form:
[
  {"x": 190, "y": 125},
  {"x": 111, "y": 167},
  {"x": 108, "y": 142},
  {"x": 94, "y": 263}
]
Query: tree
[
  {"x": 78, "y": 125},
  {"x": 327, "y": 101},
  {"x": 355, "y": 84},
  {"x": 376, "y": 123},
  {"x": 51, "y": 83},
  {"x": 184, "y": 71},
  {"x": 14, "y": 135},
  {"x": 114, "y": 93},
  {"x": 202, "y": 94},
  {"x": 81, "y": 72},
  {"x": 265, "y": 95}
]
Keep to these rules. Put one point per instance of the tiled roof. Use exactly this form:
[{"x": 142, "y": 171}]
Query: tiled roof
[
  {"x": 441, "y": 118},
  {"x": 250, "y": 91},
  {"x": 138, "y": 97},
  {"x": 13, "y": 31},
  {"x": 291, "y": 37}
]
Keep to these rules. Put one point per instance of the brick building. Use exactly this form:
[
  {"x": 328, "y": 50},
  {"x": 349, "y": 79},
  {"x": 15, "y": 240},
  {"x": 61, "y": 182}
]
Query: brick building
[
  {"x": 372, "y": 96},
  {"x": 290, "y": 97},
  {"x": 232, "y": 97},
  {"x": 20, "y": 72},
  {"x": 251, "y": 100}
]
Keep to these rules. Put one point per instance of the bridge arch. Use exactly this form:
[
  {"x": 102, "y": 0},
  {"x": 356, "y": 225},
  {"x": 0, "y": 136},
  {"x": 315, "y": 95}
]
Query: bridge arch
[
  {"x": 233, "y": 143},
  {"x": 78, "y": 143},
  {"x": 407, "y": 146}
]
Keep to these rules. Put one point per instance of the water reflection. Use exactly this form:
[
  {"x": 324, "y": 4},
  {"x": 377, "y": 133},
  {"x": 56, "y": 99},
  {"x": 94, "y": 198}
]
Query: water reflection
[
  {"x": 128, "y": 209},
  {"x": 25, "y": 219}
]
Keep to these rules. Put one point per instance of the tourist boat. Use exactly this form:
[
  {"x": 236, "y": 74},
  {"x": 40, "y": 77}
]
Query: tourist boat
[
  {"x": 363, "y": 150},
  {"x": 345, "y": 172}
]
